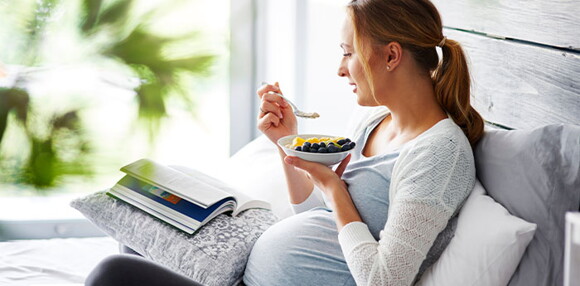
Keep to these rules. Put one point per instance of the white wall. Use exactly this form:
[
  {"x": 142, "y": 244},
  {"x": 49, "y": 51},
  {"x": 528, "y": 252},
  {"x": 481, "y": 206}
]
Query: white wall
[
  {"x": 326, "y": 92},
  {"x": 303, "y": 54}
]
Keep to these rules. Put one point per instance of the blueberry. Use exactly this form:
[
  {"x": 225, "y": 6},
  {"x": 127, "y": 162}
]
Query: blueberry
[
  {"x": 322, "y": 150},
  {"x": 306, "y": 148},
  {"x": 322, "y": 144},
  {"x": 306, "y": 144},
  {"x": 298, "y": 148},
  {"x": 330, "y": 143},
  {"x": 332, "y": 148},
  {"x": 312, "y": 150},
  {"x": 345, "y": 147},
  {"x": 352, "y": 144},
  {"x": 341, "y": 142},
  {"x": 347, "y": 140},
  {"x": 315, "y": 146}
]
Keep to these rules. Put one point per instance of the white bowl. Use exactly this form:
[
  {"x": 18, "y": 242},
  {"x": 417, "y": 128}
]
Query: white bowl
[{"x": 327, "y": 159}]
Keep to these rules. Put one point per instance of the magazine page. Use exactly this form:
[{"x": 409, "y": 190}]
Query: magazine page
[
  {"x": 249, "y": 204},
  {"x": 196, "y": 189},
  {"x": 243, "y": 201}
]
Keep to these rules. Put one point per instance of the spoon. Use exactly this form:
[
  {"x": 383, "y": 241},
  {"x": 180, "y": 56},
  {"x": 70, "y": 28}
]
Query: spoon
[{"x": 297, "y": 111}]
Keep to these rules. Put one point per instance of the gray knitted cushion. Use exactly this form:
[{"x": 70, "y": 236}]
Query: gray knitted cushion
[{"x": 215, "y": 255}]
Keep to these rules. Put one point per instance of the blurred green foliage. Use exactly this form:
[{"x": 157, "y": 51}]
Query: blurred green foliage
[{"x": 57, "y": 146}]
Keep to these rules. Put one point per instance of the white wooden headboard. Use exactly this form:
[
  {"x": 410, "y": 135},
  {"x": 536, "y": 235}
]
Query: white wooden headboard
[{"x": 524, "y": 58}]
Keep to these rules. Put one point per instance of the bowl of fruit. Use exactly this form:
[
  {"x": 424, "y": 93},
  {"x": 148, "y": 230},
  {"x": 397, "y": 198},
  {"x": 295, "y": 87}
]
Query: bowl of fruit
[{"x": 324, "y": 149}]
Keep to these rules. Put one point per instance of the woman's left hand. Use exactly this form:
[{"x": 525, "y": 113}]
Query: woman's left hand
[
  {"x": 322, "y": 176},
  {"x": 332, "y": 185}
]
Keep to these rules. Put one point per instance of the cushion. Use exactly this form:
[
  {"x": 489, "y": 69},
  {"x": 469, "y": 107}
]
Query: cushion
[
  {"x": 487, "y": 246},
  {"x": 535, "y": 174},
  {"x": 215, "y": 255}
]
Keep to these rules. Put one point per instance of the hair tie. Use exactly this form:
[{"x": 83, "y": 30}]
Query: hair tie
[{"x": 442, "y": 43}]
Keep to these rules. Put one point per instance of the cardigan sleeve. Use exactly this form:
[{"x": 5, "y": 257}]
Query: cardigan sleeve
[
  {"x": 432, "y": 180},
  {"x": 315, "y": 199}
]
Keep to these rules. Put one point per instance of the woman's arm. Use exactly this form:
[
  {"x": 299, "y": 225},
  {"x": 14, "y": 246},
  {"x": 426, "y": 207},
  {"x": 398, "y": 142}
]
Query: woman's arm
[
  {"x": 395, "y": 259},
  {"x": 277, "y": 120},
  {"x": 299, "y": 185}
]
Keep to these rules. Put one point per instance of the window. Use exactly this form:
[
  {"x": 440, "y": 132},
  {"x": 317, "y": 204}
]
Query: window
[
  {"x": 297, "y": 44},
  {"x": 70, "y": 63}
]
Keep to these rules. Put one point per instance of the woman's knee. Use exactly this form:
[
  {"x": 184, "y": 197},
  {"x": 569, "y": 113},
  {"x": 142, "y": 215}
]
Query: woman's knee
[
  {"x": 128, "y": 270},
  {"x": 110, "y": 271}
]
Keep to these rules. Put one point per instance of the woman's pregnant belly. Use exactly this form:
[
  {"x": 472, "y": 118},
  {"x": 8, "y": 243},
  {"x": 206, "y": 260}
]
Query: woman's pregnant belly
[{"x": 300, "y": 250}]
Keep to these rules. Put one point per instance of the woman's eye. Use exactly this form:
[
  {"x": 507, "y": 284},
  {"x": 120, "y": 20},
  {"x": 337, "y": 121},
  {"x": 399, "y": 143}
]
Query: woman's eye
[{"x": 347, "y": 54}]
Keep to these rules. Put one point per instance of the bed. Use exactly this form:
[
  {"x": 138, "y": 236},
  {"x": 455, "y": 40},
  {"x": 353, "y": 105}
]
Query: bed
[
  {"x": 57, "y": 261},
  {"x": 525, "y": 63}
]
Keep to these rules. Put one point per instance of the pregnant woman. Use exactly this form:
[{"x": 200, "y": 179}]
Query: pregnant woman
[
  {"x": 387, "y": 211},
  {"x": 384, "y": 214}
]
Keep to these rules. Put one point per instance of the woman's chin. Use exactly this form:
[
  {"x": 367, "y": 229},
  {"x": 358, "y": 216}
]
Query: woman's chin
[{"x": 365, "y": 102}]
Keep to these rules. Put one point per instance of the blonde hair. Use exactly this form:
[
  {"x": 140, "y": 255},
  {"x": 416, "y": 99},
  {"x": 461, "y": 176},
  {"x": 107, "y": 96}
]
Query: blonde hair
[{"x": 416, "y": 25}]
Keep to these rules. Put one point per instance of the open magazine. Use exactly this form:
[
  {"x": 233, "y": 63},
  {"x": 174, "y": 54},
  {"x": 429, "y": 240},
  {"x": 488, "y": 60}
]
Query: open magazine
[{"x": 180, "y": 196}]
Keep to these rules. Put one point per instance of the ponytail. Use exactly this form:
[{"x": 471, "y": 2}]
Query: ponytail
[{"x": 452, "y": 90}]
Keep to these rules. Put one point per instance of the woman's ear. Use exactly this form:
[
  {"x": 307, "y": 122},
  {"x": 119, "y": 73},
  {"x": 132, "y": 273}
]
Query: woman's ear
[{"x": 392, "y": 55}]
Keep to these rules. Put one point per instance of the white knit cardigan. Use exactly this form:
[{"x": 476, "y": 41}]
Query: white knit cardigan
[{"x": 434, "y": 174}]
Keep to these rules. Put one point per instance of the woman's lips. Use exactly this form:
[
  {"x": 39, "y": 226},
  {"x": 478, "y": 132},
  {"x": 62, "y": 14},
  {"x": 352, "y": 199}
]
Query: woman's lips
[{"x": 354, "y": 85}]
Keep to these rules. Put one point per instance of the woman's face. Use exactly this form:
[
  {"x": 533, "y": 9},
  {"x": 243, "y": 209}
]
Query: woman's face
[{"x": 352, "y": 68}]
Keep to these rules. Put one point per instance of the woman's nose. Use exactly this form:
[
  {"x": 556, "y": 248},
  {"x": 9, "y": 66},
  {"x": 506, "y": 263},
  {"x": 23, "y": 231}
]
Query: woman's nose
[{"x": 342, "y": 71}]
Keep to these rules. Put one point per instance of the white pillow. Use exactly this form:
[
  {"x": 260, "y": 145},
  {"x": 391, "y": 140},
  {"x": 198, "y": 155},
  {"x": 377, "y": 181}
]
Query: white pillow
[
  {"x": 487, "y": 247},
  {"x": 257, "y": 171}
]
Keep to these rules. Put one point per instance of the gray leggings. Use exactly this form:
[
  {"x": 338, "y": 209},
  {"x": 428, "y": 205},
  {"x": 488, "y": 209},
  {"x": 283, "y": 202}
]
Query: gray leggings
[{"x": 130, "y": 268}]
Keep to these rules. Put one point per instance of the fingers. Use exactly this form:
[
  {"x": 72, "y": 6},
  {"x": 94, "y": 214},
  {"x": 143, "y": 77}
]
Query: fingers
[
  {"x": 270, "y": 107},
  {"x": 272, "y": 103},
  {"x": 342, "y": 166},
  {"x": 314, "y": 170},
  {"x": 299, "y": 163},
  {"x": 267, "y": 120},
  {"x": 268, "y": 91},
  {"x": 274, "y": 98},
  {"x": 266, "y": 88},
  {"x": 321, "y": 175},
  {"x": 311, "y": 166}
]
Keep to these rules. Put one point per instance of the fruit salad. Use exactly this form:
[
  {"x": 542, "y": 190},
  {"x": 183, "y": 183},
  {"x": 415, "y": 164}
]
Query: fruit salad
[{"x": 322, "y": 144}]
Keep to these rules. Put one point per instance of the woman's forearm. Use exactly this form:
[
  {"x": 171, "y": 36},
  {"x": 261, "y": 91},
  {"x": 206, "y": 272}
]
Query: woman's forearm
[
  {"x": 344, "y": 208},
  {"x": 299, "y": 185}
]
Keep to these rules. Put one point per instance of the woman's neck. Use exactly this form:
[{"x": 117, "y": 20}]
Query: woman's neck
[{"x": 414, "y": 109}]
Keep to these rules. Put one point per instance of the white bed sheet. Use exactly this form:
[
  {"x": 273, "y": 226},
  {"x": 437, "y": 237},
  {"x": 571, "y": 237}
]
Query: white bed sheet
[{"x": 58, "y": 261}]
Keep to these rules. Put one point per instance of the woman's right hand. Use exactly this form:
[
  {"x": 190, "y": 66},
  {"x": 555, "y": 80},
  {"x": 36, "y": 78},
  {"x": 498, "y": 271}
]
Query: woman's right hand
[{"x": 276, "y": 118}]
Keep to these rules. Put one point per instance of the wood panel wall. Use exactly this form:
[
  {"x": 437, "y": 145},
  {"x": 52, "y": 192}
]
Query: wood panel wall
[
  {"x": 548, "y": 22},
  {"x": 524, "y": 58},
  {"x": 521, "y": 86}
]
